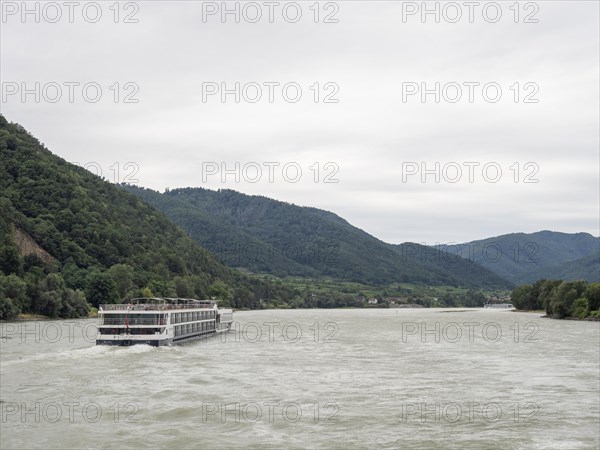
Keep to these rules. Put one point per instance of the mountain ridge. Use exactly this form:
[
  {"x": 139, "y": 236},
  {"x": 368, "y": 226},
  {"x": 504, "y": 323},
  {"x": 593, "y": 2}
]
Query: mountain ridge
[
  {"x": 521, "y": 257},
  {"x": 305, "y": 241}
]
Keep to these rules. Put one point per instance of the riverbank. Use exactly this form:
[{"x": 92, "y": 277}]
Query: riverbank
[
  {"x": 25, "y": 317},
  {"x": 586, "y": 319},
  {"x": 28, "y": 317},
  {"x": 546, "y": 316}
]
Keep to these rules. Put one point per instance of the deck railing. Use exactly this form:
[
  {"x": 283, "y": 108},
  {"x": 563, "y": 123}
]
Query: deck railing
[{"x": 164, "y": 307}]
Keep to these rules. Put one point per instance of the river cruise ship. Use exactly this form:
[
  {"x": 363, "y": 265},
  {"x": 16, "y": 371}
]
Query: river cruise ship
[
  {"x": 508, "y": 306},
  {"x": 160, "y": 321}
]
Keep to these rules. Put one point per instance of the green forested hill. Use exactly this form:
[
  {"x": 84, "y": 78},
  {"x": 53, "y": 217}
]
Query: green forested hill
[
  {"x": 233, "y": 245},
  {"x": 522, "y": 257},
  {"x": 268, "y": 236},
  {"x": 67, "y": 235}
]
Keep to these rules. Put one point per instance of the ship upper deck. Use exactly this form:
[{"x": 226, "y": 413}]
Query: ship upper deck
[{"x": 158, "y": 304}]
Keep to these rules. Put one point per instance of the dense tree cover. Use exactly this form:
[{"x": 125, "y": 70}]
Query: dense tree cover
[
  {"x": 273, "y": 237},
  {"x": 526, "y": 257},
  {"x": 471, "y": 299},
  {"x": 559, "y": 298},
  {"x": 95, "y": 242}
]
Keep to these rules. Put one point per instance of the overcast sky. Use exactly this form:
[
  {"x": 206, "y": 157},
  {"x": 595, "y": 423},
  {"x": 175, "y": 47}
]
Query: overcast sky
[{"x": 374, "y": 59}]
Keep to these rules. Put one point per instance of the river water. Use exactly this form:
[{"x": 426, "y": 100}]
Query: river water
[{"x": 377, "y": 378}]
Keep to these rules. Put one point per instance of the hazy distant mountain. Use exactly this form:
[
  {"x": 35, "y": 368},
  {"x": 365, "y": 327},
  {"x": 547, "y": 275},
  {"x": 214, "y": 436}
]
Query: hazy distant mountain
[
  {"x": 522, "y": 257},
  {"x": 586, "y": 268},
  {"x": 269, "y": 236}
]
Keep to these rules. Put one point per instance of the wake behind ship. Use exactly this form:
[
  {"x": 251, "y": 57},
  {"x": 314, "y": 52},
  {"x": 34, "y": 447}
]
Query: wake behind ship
[{"x": 160, "y": 321}]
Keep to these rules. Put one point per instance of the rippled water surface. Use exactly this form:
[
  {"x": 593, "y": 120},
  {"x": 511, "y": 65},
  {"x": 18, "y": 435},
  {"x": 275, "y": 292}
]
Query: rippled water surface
[{"x": 379, "y": 378}]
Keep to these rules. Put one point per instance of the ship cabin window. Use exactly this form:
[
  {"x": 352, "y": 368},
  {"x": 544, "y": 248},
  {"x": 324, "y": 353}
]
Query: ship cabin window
[
  {"x": 134, "y": 331},
  {"x": 134, "y": 319}
]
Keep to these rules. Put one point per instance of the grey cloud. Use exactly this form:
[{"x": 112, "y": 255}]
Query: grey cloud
[{"x": 369, "y": 133}]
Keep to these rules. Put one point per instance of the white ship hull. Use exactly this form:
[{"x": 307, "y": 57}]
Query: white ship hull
[
  {"x": 504, "y": 306},
  {"x": 158, "y": 322}
]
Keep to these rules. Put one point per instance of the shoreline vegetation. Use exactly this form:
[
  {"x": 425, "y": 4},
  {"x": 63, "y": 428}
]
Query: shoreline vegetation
[
  {"x": 570, "y": 300},
  {"x": 27, "y": 317}
]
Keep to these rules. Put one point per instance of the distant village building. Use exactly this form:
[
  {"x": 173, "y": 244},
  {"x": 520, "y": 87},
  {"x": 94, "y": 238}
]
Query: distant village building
[{"x": 372, "y": 301}]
